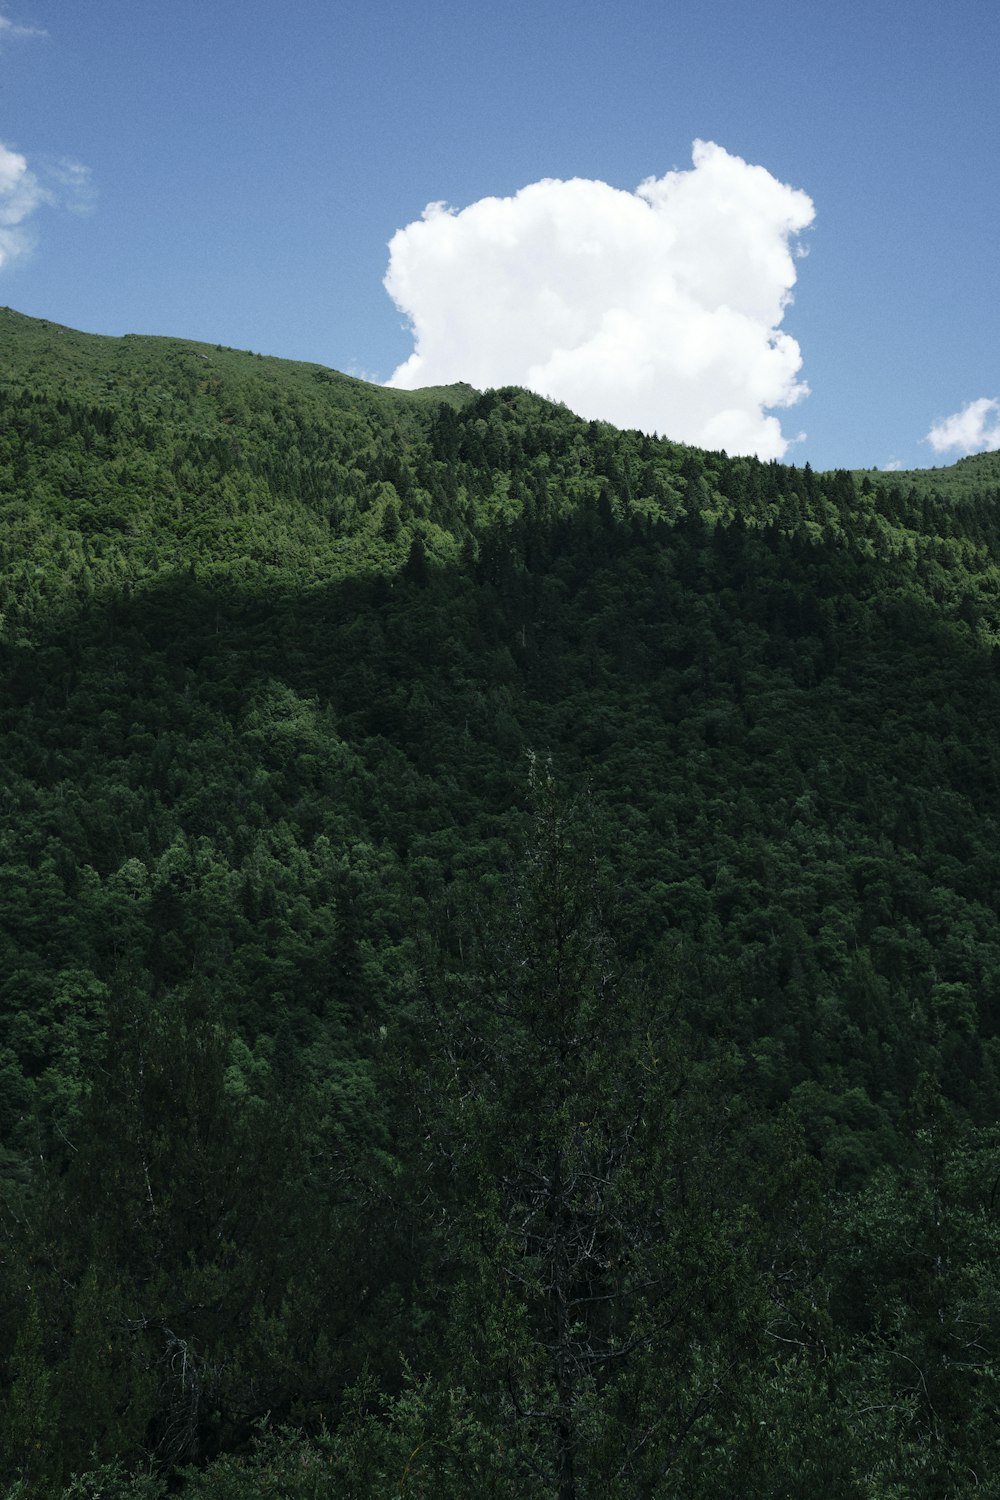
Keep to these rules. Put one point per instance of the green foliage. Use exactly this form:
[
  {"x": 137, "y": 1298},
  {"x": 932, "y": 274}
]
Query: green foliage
[
  {"x": 30, "y": 1409},
  {"x": 588, "y": 1212},
  {"x": 351, "y": 1139},
  {"x": 423, "y": 1444}
]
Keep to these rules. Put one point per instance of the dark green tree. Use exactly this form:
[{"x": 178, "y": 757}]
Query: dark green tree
[{"x": 573, "y": 1169}]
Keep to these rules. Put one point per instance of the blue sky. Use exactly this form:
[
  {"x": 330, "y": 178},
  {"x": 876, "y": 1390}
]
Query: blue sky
[{"x": 234, "y": 173}]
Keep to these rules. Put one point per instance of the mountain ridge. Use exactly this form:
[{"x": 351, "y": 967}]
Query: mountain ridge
[{"x": 978, "y": 468}]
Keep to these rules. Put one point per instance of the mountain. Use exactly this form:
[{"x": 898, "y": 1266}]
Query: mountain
[
  {"x": 977, "y": 475},
  {"x": 501, "y": 967}
]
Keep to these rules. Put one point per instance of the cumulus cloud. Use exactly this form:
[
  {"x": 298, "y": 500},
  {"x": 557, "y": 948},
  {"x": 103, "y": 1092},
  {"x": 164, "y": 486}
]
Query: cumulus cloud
[
  {"x": 62, "y": 184},
  {"x": 20, "y": 194},
  {"x": 974, "y": 429},
  {"x": 658, "y": 309}
]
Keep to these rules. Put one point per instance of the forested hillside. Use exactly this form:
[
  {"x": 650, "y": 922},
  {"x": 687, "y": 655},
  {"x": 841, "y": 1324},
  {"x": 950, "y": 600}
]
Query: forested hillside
[{"x": 500, "y": 978}]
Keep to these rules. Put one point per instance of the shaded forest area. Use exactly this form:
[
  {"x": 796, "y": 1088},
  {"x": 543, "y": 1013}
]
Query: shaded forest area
[{"x": 500, "y": 979}]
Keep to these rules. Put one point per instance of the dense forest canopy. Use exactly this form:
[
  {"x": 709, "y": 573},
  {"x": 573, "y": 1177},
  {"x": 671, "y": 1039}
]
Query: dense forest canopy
[{"x": 501, "y": 962}]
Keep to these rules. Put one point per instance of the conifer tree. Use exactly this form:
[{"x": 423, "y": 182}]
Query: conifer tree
[{"x": 580, "y": 1243}]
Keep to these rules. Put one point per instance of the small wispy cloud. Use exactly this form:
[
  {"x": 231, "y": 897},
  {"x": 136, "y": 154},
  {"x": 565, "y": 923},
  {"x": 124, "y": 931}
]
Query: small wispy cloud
[
  {"x": 974, "y": 429},
  {"x": 10, "y": 31},
  {"x": 359, "y": 371},
  {"x": 658, "y": 309},
  {"x": 72, "y": 185},
  {"x": 893, "y": 466}
]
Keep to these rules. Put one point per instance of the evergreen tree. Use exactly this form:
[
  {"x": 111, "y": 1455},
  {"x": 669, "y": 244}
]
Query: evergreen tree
[{"x": 583, "y": 1238}]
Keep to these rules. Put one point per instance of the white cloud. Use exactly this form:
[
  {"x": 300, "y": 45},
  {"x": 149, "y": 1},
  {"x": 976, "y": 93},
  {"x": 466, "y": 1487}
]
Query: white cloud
[
  {"x": 11, "y": 32},
  {"x": 72, "y": 185},
  {"x": 61, "y": 184},
  {"x": 974, "y": 429},
  {"x": 20, "y": 194},
  {"x": 893, "y": 466},
  {"x": 658, "y": 309}
]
